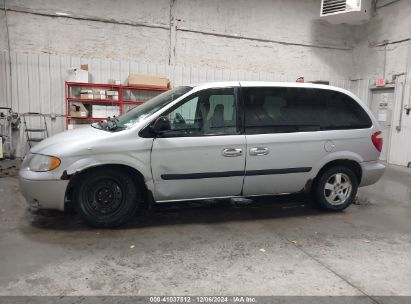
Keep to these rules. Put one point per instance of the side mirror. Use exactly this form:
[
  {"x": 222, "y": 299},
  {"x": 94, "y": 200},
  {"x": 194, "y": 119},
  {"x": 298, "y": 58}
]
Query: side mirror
[{"x": 161, "y": 125}]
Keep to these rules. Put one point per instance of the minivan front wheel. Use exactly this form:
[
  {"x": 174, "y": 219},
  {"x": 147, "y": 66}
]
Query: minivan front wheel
[
  {"x": 106, "y": 197},
  {"x": 336, "y": 188}
]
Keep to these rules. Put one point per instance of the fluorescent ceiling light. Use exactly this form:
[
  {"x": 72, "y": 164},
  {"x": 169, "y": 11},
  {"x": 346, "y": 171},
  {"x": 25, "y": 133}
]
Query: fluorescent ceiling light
[{"x": 62, "y": 14}]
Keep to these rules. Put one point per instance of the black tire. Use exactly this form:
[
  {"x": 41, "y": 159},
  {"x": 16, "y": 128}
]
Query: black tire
[
  {"x": 107, "y": 197},
  {"x": 344, "y": 196}
]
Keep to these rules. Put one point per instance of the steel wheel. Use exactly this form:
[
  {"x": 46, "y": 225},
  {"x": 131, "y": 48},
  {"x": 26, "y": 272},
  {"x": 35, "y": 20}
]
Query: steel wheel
[
  {"x": 104, "y": 197},
  {"x": 107, "y": 197},
  {"x": 337, "y": 189}
]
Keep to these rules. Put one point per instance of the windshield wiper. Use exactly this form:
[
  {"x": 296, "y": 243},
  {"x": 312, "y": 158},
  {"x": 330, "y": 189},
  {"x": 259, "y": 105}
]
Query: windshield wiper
[
  {"x": 113, "y": 124},
  {"x": 106, "y": 125},
  {"x": 99, "y": 125},
  {"x": 110, "y": 124}
]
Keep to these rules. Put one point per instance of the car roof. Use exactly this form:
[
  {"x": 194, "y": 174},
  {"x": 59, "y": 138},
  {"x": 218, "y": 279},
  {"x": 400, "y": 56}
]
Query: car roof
[{"x": 223, "y": 84}]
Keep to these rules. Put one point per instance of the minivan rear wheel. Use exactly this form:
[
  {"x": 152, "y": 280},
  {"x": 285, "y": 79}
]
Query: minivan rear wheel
[
  {"x": 106, "y": 197},
  {"x": 336, "y": 188}
]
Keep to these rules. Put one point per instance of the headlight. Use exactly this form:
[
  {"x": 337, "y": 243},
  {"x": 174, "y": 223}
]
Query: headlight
[{"x": 42, "y": 163}]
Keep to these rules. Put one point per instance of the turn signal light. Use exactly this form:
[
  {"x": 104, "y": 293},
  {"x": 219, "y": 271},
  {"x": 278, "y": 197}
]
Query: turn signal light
[
  {"x": 54, "y": 163},
  {"x": 377, "y": 140}
]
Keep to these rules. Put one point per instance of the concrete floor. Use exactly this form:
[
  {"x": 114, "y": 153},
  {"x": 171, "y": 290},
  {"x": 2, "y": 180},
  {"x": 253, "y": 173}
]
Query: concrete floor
[{"x": 266, "y": 247}]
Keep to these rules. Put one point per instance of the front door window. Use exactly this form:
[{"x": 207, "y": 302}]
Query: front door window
[{"x": 209, "y": 112}]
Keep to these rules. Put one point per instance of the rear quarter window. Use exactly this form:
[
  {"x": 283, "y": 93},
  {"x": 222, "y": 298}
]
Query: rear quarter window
[
  {"x": 283, "y": 110},
  {"x": 343, "y": 112}
]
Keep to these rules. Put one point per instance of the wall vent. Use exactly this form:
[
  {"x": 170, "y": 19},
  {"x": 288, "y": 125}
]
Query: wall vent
[
  {"x": 333, "y": 6},
  {"x": 346, "y": 11}
]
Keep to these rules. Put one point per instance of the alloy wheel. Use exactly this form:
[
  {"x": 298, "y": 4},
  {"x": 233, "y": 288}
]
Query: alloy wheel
[{"x": 337, "y": 189}]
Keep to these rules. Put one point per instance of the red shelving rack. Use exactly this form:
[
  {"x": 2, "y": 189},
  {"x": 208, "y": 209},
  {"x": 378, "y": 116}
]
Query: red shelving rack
[{"x": 115, "y": 87}]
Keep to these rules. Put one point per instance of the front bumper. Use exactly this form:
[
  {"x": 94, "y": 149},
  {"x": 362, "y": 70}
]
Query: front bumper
[
  {"x": 44, "y": 194},
  {"x": 371, "y": 172}
]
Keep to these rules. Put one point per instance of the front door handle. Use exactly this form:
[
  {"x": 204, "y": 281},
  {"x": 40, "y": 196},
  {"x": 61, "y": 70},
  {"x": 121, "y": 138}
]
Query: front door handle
[
  {"x": 231, "y": 152},
  {"x": 259, "y": 151}
]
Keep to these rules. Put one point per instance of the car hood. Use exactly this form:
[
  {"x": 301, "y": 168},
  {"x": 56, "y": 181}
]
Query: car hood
[{"x": 77, "y": 140}]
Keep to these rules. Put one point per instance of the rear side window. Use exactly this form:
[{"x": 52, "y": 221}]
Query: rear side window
[{"x": 282, "y": 110}]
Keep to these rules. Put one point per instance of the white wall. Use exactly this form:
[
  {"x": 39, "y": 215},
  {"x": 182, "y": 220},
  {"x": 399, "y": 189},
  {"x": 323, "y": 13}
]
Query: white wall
[
  {"x": 391, "y": 25},
  {"x": 283, "y": 36},
  {"x": 3, "y": 32},
  {"x": 287, "y": 22}
]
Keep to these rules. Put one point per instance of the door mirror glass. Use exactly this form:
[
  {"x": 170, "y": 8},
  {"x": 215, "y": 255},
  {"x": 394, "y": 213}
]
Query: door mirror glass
[{"x": 162, "y": 124}]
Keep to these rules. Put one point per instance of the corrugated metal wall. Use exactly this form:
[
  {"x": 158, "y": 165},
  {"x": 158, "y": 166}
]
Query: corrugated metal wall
[{"x": 36, "y": 81}]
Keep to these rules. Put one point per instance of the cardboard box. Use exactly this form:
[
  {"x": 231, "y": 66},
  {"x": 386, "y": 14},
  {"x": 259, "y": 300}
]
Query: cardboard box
[
  {"x": 115, "y": 98},
  {"x": 99, "y": 111},
  {"x": 86, "y": 91},
  {"x": 78, "y": 110},
  {"x": 148, "y": 81},
  {"x": 113, "y": 111},
  {"x": 99, "y": 96},
  {"x": 86, "y": 96},
  {"x": 98, "y": 92},
  {"x": 77, "y": 126},
  {"x": 112, "y": 93}
]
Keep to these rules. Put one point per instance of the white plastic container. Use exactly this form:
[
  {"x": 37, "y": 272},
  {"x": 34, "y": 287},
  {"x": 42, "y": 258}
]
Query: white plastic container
[{"x": 77, "y": 75}]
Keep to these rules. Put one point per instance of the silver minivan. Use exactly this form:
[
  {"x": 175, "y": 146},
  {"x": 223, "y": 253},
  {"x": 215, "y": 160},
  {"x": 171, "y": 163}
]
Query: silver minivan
[{"x": 228, "y": 139}]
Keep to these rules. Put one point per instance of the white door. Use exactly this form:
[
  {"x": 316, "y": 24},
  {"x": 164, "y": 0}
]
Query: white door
[
  {"x": 382, "y": 103},
  {"x": 203, "y": 153}
]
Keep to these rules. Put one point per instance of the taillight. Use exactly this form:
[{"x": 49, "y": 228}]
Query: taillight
[{"x": 377, "y": 140}]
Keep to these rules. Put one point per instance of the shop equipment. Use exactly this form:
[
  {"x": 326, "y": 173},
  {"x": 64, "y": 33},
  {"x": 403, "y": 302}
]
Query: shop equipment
[{"x": 35, "y": 127}]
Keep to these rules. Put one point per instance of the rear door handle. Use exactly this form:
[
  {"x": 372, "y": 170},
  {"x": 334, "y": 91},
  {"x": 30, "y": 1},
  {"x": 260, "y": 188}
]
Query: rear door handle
[
  {"x": 259, "y": 151},
  {"x": 232, "y": 152}
]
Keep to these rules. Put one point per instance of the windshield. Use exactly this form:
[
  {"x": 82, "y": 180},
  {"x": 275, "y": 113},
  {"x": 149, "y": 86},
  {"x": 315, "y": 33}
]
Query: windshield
[{"x": 144, "y": 110}]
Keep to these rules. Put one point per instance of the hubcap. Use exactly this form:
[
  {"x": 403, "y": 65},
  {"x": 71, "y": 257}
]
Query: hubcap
[
  {"x": 104, "y": 197},
  {"x": 337, "y": 189}
]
